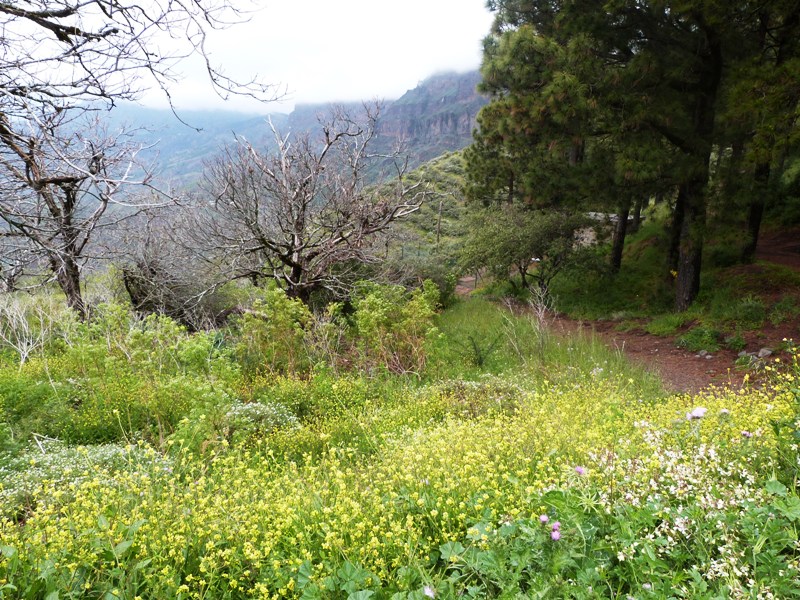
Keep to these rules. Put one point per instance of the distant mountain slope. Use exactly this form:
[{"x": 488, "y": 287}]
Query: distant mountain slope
[{"x": 437, "y": 116}]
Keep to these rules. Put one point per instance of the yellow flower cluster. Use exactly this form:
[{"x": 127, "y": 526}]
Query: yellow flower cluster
[{"x": 242, "y": 524}]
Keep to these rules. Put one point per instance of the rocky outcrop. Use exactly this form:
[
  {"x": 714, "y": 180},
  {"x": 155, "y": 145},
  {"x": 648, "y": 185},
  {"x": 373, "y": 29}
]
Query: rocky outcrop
[{"x": 437, "y": 116}]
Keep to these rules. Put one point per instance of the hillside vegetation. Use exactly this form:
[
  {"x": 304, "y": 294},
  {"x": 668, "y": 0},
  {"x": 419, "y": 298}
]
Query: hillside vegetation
[{"x": 469, "y": 454}]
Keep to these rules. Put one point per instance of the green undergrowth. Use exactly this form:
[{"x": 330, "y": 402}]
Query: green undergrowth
[
  {"x": 510, "y": 463},
  {"x": 734, "y": 298}
]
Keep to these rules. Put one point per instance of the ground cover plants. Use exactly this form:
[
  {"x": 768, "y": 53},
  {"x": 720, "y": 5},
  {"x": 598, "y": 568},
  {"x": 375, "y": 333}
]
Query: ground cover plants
[{"x": 468, "y": 454}]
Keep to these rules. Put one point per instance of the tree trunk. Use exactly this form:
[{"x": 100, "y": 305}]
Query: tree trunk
[
  {"x": 620, "y": 229},
  {"x": 675, "y": 227},
  {"x": 693, "y": 187},
  {"x": 691, "y": 242},
  {"x": 637, "y": 214},
  {"x": 755, "y": 212},
  {"x": 68, "y": 277}
]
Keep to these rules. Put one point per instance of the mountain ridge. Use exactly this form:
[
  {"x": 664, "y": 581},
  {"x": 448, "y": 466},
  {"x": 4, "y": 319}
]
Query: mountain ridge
[{"x": 435, "y": 117}]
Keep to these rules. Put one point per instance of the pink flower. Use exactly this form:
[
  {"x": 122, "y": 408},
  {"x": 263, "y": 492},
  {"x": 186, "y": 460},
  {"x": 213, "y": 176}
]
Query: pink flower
[
  {"x": 544, "y": 519},
  {"x": 429, "y": 591},
  {"x": 555, "y": 535},
  {"x": 580, "y": 470},
  {"x": 557, "y": 526},
  {"x": 746, "y": 434}
]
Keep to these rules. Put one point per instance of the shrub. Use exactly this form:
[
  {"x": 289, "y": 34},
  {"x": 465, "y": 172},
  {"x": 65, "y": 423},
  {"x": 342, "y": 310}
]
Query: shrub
[
  {"x": 750, "y": 312},
  {"x": 667, "y": 324},
  {"x": 784, "y": 309},
  {"x": 270, "y": 337},
  {"x": 700, "y": 338},
  {"x": 394, "y": 327},
  {"x": 48, "y": 471},
  {"x": 246, "y": 422}
]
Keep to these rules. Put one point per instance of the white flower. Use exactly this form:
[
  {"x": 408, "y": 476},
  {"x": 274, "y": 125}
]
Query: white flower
[
  {"x": 429, "y": 591},
  {"x": 697, "y": 413}
]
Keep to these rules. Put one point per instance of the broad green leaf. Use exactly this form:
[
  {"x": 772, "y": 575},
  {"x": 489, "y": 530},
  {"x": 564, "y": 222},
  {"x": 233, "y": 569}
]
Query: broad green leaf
[
  {"x": 451, "y": 550},
  {"x": 362, "y": 595},
  {"x": 122, "y": 547},
  {"x": 776, "y": 488},
  {"x": 789, "y": 508}
]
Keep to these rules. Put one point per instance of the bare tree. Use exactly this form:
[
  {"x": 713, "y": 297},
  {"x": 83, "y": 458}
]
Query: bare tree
[
  {"x": 60, "y": 59},
  {"x": 305, "y": 215},
  {"x": 65, "y": 52},
  {"x": 58, "y": 177},
  {"x": 163, "y": 274}
]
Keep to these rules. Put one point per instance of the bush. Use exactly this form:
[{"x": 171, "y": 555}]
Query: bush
[
  {"x": 253, "y": 420},
  {"x": 750, "y": 312},
  {"x": 47, "y": 471},
  {"x": 270, "y": 337},
  {"x": 394, "y": 328},
  {"x": 700, "y": 338},
  {"x": 667, "y": 324}
]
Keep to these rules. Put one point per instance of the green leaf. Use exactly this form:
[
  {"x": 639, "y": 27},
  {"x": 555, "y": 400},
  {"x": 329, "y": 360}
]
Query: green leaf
[
  {"x": 142, "y": 564},
  {"x": 122, "y": 547},
  {"x": 312, "y": 592},
  {"x": 305, "y": 574},
  {"x": 789, "y": 508},
  {"x": 103, "y": 522},
  {"x": 51, "y": 596},
  {"x": 362, "y": 595},
  {"x": 8, "y": 551},
  {"x": 776, "y": 488},
  {"x": 451, "y": 550},
  {"x": 134, "y": 527}
]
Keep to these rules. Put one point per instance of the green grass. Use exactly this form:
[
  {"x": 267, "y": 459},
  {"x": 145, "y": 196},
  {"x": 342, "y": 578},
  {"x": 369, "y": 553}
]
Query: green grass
[{"x": 667, "y": 324}]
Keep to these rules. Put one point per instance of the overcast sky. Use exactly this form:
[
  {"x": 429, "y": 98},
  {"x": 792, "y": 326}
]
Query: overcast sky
[{"x": 338, "y": 50}]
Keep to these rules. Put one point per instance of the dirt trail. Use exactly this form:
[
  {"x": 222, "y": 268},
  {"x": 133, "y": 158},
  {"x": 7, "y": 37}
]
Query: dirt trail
[{"x": 684, "y": 371}]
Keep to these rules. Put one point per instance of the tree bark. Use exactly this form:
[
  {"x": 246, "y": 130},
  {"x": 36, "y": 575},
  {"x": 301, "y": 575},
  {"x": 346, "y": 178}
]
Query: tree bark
[
  {"x": 637, "y": 214},
  {"x": 693, "y": 188},
  {"x": 68, "y": 278},
  {"x": 755, "y": 212},
  {"x": 675, "y": 227},
  {"x": 620, "y": 229},
  {"x": 690, "y": 251}
]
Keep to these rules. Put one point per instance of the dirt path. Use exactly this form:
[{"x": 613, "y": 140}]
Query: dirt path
[
  {"x": 679, "y": 369},
  {"x": 684, "y": 371}
]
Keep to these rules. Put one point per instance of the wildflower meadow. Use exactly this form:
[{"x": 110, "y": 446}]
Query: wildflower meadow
[{"x": 140, "y": 460}]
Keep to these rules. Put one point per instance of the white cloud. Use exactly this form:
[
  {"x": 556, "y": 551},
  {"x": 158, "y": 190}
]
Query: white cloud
[{"x": 327, "y": 50}]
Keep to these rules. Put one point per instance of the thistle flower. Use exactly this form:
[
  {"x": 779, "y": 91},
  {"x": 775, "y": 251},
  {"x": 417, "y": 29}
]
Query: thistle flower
[
  {"x": 580, "y": 470},
  {"x": 555, "y": 535},
  {"x": 557, "y": 526},
  {"x": 544, "y": 519}
]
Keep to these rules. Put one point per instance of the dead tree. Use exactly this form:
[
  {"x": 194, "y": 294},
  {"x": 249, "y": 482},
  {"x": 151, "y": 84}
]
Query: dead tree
[
  {"x": 305, "y": 215},
  {"x": 58, "y": 177}
]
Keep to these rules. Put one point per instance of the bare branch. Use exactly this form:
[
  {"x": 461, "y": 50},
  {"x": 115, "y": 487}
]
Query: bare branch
[{"x": 304, "y": 216}]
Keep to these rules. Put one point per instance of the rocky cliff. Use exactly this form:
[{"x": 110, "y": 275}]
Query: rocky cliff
[{"x": 435, "y": 117}]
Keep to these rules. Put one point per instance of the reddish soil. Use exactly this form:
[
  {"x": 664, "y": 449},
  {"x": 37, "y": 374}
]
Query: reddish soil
[
  {"x": 684, "y": 371},
  {"x": 679, "y": 369}
]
